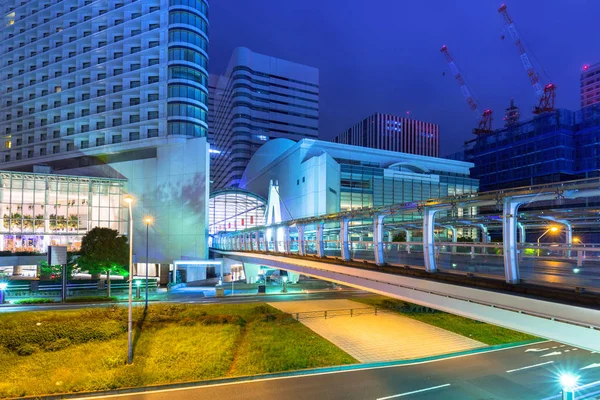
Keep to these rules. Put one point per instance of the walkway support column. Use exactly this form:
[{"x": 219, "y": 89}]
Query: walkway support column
[
  {"x": 257, "y": 238},
  {"x": 320, "y": 242},
  {"x": 301, "y": 249},
  {"x": 378, "y": 239},
  {"x": 274, "y": 238},
  {"x": 266, "y": 239},
  {"x": 408, "y": 235},
  {"x": 429, "y": 238},
  {"x": 509, "y": 235},
  {"x": 287, "y": 241},
  {"x": 344, "y": 235},
  {"x": 522, "y": 232}
]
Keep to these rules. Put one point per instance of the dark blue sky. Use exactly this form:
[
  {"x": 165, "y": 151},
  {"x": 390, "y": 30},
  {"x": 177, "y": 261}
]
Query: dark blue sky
[{"x": 383, "y": 55}]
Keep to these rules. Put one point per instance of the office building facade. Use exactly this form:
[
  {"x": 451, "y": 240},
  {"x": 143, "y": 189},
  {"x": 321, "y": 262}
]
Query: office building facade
[
  {"x": 552, "y": 147},
  {"x": 590, "y": 90},
  {"x": 117, "y": 89},
  {"x": 317, "y": 177},
  {"x": 393, "y": 133},
  {"x": 259, "y": 98}
]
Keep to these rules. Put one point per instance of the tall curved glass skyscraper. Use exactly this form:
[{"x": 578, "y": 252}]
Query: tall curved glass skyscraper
[{"x": 113, "y": 88}]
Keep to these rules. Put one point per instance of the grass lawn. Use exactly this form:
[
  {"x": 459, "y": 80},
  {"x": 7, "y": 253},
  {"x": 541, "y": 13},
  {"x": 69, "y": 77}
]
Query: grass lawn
[
  {"x": 49, "y": 352},
  {"x": 485, "y": 333}
]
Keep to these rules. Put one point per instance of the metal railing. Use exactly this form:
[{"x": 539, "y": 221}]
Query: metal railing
[{"x": 352, "y": 312}]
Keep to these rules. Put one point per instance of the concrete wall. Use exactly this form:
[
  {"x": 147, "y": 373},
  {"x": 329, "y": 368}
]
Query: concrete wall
[{"x": 172, "y": 188}]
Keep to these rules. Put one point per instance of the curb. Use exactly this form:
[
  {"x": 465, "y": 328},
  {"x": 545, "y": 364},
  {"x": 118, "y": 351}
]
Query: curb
[{"x": 298, "y": 373}]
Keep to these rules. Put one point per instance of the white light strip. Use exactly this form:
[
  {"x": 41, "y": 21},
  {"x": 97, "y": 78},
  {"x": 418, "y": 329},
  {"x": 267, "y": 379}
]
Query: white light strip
[
  {"x": 414, "y": 392},
  {"x": 529, "y": 367}
]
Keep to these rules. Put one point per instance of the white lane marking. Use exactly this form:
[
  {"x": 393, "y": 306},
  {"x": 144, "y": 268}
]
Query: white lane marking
[
  {"x": 566, "y": 351},
  {"x": 200, "y": 386},
  {"x": 414, "y": 392},
  {"x": 594, "y": 365},
  {"x": 529, "y": 367},
  {"x": 554, "y": 353},
  {"x": 535, "y": 350}
]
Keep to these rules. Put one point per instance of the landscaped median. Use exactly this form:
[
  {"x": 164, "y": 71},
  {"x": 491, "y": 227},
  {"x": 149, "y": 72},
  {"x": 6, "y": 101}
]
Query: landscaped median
[
  {"x": 480, "y": 331},
  {"x": 48, "y": 352}
]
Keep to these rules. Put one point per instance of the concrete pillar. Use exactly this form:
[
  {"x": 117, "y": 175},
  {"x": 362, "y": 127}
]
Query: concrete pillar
[
  {"x": 320, "y": 242},
  {"x": 17, "y": 270},
  {"x": 287, "y": 241},
  {"x": 301, "y": 250},
  {"x": 344, "y": 223},
  {"x": 429, "y": 239},
  {"x": 257, "y": 240},
  {"x": 509, "y": 235},
  {"x": 378, "y": 239}
]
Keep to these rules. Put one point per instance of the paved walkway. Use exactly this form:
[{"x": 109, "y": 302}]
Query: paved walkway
[{"x": 382, "y": 337}]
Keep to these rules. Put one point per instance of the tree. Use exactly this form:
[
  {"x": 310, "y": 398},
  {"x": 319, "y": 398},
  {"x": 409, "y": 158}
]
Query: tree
[
  {"x": 103, "y": 250},
  {"x": 54, "y": 272}
]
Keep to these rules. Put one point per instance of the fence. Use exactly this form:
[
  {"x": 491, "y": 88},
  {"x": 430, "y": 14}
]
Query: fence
[{"x": 352, "y": 312}]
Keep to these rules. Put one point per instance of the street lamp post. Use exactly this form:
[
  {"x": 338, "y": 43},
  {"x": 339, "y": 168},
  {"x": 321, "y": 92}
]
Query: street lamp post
[
  {"x": 148, "y": 221},
  {"x": 129, "y": 201},
  {"x": 552, "y": 229},
  {"x": 568, "y": 383}
]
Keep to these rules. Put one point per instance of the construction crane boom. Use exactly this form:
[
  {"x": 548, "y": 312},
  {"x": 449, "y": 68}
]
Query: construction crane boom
[
  {"x": 546, "y": 94},
  {"x": 485, "y": 117}
]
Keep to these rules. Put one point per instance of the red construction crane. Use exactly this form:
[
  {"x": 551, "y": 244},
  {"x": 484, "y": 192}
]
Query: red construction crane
[
  {"x": 546, "y": 94},
  {"x": 485, "y": 118}
]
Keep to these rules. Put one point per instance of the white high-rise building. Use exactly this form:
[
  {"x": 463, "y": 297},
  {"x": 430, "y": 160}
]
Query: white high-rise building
[
  {"x": 114, "y": 88},
  {"x": 257, "y": 99}
]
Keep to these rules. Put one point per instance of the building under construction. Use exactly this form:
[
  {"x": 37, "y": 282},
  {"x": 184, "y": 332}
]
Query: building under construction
[{"x": 554, "y": 146}]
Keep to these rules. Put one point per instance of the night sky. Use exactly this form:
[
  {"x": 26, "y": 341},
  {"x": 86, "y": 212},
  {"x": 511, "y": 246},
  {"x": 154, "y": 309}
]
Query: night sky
[{"x": 383, "y": 55}]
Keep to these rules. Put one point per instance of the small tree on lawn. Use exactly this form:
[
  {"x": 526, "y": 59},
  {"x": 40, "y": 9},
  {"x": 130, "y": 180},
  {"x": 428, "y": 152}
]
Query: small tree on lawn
[{"x": 103, "y": 250}]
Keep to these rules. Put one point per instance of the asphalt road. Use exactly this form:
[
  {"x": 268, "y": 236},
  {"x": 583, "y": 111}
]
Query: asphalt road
[
  {"x": 522, "y": 373},
  {"x": 196, "y": 297}
]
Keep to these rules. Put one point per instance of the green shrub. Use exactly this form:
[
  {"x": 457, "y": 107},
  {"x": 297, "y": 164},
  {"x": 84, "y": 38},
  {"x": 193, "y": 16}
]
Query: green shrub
[
  {"x": 59, "y": 344},
  {"x": 34, "y": 301},
  {"x": 262, "y": 309},
  {"x": 223, "y": 319},
  {"x": 26, "y": 349},
  {"x": 89, "y": 299}
]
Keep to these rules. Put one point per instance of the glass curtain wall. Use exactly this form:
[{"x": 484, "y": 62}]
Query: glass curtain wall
[{"x": 43, "y": 209}]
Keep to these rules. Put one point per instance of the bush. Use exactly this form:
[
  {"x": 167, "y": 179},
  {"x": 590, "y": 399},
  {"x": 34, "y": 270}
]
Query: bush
[
  {"x": 89, "y": 299},
  {"x": 26, "y": 349},
  {"x": 57, "y": 345},
  {"x": 223, "y": 319},
  {"x": 34, "y": 301}
]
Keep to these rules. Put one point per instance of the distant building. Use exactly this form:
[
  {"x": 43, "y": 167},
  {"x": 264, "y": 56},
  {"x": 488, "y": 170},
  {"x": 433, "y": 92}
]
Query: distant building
[
  {"x": 259, "y": 98},
  {"x": 590, "y": 90},
  {"x": 552, "y": 147},
  {"x": 317, "y": 177},
  {"x": 393, "y": 133}
]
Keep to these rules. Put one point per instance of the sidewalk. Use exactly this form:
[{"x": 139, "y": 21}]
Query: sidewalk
[{"x": 382, "y": 337}]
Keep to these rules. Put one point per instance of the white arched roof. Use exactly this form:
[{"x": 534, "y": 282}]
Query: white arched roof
[{"x": 265, "y": 155}]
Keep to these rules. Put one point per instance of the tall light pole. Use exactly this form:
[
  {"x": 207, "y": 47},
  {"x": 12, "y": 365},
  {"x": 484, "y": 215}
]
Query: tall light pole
[
  {"x": 129, "y": 201},
  {"x": 148, "y": 221},
  {"x": 552, "y": 229}
]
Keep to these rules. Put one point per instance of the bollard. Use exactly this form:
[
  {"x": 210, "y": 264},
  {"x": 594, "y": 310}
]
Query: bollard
[{"x": 325, "y": 314}]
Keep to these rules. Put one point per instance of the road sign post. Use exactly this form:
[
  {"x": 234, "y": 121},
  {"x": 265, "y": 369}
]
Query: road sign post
[{"x": 57, "y": 255}]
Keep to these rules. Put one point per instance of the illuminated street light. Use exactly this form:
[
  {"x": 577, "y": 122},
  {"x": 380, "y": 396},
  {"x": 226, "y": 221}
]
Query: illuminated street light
[
  {"x": 568, "y": 382},
  {"x": 552, "y": 229},
  {"x": 148, "y": 220},
  {"x": 3, "y": 287},
  {"x": 129, "y": 202}
]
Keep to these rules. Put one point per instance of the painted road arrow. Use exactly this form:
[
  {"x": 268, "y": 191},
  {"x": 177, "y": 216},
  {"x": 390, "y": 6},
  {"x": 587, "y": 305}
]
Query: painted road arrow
[
  {"x": 594, "y": 365},
  {"x": 536, "y": 350},
  {"x": 554, "y": 353}
]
